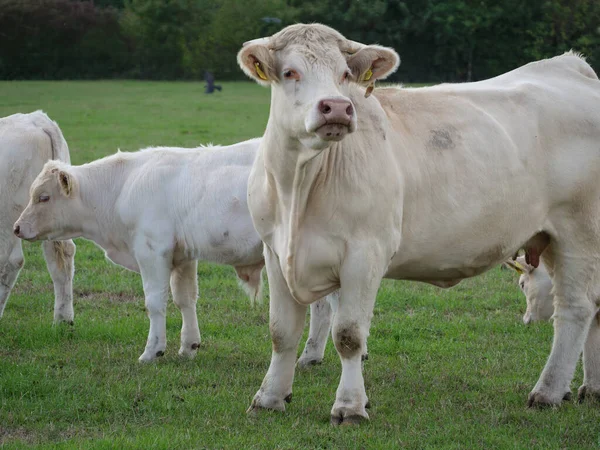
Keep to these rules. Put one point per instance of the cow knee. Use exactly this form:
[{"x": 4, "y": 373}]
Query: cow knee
[
  {"x": 348, "y": 340},
  {"x": 16, "y": 262}
]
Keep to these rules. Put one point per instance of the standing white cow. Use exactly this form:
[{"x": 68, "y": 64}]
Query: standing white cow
[
  {"x": 350, "y": 186},
  {"x": 27, "y": 141},
  {"x": 157, "y": 212}
]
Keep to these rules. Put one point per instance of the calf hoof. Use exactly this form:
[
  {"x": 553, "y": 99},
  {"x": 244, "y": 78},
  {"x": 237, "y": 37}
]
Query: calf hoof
[
  {"x": 364, "y": 357},
  {"x": 588, "y": 392},
  {"x": 540, "y": 400},
  {"x": 348, "y": 416},
  {"x": 303, "y": 363},
  {"x": 149, "y": 356},
  {"x": 263, "y": 401},
  {"x": 189, "y": 350}
]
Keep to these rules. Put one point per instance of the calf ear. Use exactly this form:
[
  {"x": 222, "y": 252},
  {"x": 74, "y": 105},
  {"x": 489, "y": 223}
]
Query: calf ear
[
  {"x": 257, "y": 61},
  {"x": 373, "y": 62},
  {"x": 66, "y": 182}
]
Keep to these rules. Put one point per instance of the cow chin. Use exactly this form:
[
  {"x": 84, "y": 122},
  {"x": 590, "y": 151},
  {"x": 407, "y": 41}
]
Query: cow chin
[{"x": 332, "y": 132}]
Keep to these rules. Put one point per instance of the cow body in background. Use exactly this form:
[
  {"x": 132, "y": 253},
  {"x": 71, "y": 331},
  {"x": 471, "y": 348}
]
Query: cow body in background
[
  {"x": 157, "y": 212},
  {"x": 351, "y": 185},
  {"x": 27, "y": 141}
]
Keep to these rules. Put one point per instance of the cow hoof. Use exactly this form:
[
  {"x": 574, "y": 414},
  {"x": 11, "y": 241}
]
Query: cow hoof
[
  {"x": 304, "y": 363},
  {"x": 262, "y": 401},
  {"x": 189, "y": 350},
  {"x": 364, "y": 357},
  {"x": 150, "y": 355},
  {"x": 347, "y": 416},
  {"x": 588, "y": 392},
  {"x": 540, "y": 401}
]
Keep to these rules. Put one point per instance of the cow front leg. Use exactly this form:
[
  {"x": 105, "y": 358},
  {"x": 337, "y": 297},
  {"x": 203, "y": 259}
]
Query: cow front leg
[
  {"x": 156, "y": 271},
  {"x": 351, "y": 323},
  {"x": 60, "y": 260},
  {"x": 320, "y": 324},
  {"x": 286, "y": 323},
  {"x": 591, "y": 362},
  {"x": 184, "y": 286}
]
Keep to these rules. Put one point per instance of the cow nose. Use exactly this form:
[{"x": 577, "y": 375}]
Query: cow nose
[
  {"x": 17, "y": 230},
  {"x": 336, "y": 109}
]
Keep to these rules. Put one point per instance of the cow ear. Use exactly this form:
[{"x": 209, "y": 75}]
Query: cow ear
[
  {"x": 373, "y": 62},
  {"x": 66, "y": 182},
  {"x": 257, "y": 61}
]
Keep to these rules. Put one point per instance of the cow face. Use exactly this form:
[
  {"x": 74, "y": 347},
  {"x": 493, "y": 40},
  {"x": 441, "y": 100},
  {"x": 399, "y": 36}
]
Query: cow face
[
  {"x": 536, "y": 284},
  {"x": 310, "y": 69},
  {"x": 50, "y": 214}
]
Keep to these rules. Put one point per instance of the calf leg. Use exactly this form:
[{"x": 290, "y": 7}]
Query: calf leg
[
  {"x": 359, "y": 284},
  {"x": 11, "y": 261},
  {"x": 573, "y": 313},
  {"x": 320, "y": 324},
  {"x": 184, "y": 286},
  {"x": 59, "y": 256},
  {"x": 286, "y": 322},
  {"x": 591, "y": 362},
  {"x": 156, "y": 272}
]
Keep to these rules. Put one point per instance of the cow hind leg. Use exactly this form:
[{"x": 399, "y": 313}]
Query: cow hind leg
[
  {"x": 574, "y": 264},
  {"x": 320, "y": 324},
  {"x": 591, "y": 362},
  {"x": 11, "y": 261},
  {"x": 184, "y": 286},
  {"x": 60, "y": 256}
]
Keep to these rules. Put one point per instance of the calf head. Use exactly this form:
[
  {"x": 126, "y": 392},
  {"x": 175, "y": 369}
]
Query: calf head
[
  {"x": 52, "y": 209},
  {"x": 310, "y": 69},
  {"x": 536, "y": 284}
]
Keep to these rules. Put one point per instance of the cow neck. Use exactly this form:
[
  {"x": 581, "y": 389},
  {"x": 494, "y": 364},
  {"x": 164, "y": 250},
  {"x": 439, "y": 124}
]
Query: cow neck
[
  {"x": 99, "y": 196},
  {"x": 295, "y": 170}
]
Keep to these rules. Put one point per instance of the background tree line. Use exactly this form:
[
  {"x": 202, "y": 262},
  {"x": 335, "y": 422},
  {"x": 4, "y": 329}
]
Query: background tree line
[{"x": 438, "y": 40}]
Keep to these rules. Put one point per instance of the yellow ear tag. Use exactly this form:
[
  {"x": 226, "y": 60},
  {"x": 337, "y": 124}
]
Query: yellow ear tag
[
  {"x": 259, "y": 71},
  {"x": 519, "y": 268},
  {"x": 368, "y": 74}
]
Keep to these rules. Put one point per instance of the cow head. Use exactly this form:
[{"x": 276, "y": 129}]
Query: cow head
[
  {"x": 536, "y": 284},
  {"x": 52, "y": 209},
  {"x": 310, "y": 69}
]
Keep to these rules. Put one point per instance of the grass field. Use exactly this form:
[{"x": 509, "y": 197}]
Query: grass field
[{"x": 447, "y": 368}]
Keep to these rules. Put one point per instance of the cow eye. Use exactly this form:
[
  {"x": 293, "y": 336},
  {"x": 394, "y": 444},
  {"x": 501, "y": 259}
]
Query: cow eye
[
  {"x": 290, "y": 74},
  {"x": 43, "y": 198}
]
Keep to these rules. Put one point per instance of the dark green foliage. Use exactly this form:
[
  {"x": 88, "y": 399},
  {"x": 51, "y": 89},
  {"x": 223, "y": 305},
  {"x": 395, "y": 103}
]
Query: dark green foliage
[{"x": 438, "y": 40}]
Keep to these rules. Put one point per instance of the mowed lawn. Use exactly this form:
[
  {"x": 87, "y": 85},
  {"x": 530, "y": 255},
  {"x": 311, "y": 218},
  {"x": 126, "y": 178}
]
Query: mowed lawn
[{"x": 447, "y": 368}]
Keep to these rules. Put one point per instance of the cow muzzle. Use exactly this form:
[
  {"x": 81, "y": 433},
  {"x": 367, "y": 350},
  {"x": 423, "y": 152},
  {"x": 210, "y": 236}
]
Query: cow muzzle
[
  {"x": 335, "y": 118},
  {"x": 24, "y": 230}
]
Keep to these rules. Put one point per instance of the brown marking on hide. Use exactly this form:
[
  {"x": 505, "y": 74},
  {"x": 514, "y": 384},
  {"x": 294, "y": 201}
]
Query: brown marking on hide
[
  {"x": 277, "y": 339},
  {"x": 347, "y": 340},
  {"x": 534, "y": 248},
  {"x": 442, "y": 138}
]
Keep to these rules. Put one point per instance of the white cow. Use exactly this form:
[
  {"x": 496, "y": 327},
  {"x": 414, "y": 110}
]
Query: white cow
[
  {"x": 27, "y": 141},
  {"x": 157, "y": 212},
  {"x": 350, "y": 186}
]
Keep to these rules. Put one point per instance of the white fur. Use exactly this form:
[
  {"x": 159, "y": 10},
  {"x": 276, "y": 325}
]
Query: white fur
[
  {"x": 427, "y": 188},
  {"x": 27, "y": 141}
]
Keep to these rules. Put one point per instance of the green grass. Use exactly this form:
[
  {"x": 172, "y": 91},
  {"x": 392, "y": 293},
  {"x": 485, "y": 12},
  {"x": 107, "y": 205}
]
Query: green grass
[{"x": 447, "y": 368}]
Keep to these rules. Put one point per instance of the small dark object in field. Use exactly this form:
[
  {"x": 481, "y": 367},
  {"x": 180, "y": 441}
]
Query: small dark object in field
[
  {"x": 210, "y": 83},
  {"x": 160, "y": 353},
  {"x": 195, "y": 345}
]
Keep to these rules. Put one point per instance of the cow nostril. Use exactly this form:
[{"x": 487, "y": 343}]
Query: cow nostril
[
  {"x": 325, "y": 108},
  {"x": 17, "y": 230},
  {"x": 349, "y": 110}
]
